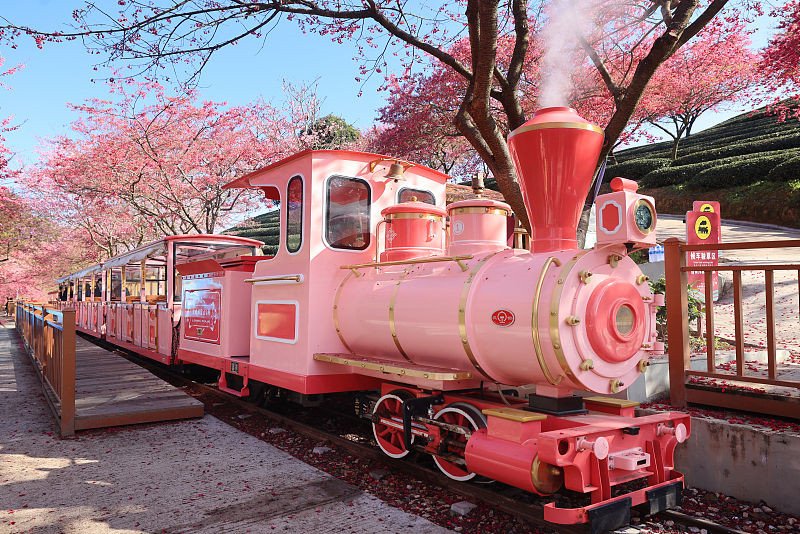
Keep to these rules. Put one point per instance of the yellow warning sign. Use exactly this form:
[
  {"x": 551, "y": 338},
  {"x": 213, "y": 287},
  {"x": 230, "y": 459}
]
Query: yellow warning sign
[
  {"x": 707, "y": 208},
  {"x": 702, "y": 227}
]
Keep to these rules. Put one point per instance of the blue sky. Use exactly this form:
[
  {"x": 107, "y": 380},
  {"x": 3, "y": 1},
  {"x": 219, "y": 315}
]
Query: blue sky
[{"x": 37, "y": 96}]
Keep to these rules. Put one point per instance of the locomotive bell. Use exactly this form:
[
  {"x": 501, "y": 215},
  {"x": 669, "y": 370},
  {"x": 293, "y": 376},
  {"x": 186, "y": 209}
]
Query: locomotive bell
[
  {"x": 396, "y": 171},
  {"x": 555, "y": 155}
]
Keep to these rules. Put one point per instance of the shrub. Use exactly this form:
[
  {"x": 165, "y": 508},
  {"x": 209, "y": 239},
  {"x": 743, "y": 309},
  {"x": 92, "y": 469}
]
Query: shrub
[
  {"x": 739, "y": 172},
  {"x": 741, "y": 148},
  {"x": 678, "y": 174},
  {"x": 694, "y": 305},
  {"x": 786, "y": 171},
  {"x": 636, "y": 168},
  {"x": 673, "y": 175}
]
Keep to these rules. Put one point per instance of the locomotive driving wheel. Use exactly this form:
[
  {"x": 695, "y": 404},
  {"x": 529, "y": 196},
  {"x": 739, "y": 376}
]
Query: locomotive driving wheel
[
  {"x": 387, "y": 423},
  {"x": 463, "y": 415}
]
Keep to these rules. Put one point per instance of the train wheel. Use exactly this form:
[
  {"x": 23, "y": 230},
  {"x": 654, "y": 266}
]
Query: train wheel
[
  {"x": 390, "y": 437},
  {"x": 461, "y": 414}
]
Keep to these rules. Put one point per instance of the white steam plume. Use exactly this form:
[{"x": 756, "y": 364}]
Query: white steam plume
[{"x": 567, "y": 21}]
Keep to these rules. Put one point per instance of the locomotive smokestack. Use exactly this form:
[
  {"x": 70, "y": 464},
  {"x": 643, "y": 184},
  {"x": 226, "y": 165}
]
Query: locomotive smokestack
[{"x": 555, "y": 154}]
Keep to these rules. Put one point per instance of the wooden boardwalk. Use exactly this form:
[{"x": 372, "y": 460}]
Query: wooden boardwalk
[{"x": 112, "y": 391}]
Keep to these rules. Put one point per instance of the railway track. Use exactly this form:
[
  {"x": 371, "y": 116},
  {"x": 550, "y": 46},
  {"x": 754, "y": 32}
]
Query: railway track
[{"x": 500, "y": 497}]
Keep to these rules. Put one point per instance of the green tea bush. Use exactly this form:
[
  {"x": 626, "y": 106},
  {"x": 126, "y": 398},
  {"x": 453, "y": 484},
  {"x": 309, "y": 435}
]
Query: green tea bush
[
  {"x": 741, "y": 148},
  {"x": 740, "y": 172},
  {"x": 636, "y": 168},
  {"x": 680, "y": 174},
  {"x": 784, "y": 172}
]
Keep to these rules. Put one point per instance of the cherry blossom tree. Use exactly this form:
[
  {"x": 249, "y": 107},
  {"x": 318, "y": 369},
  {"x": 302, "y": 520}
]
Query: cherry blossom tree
[
  {"x": 716, "y": 69},
  {"x": 149, "y": 164},
  {"x": 419, "y": 117},
  {"x": 157, "y": 33},
  {"x": 781, "y": 58}
]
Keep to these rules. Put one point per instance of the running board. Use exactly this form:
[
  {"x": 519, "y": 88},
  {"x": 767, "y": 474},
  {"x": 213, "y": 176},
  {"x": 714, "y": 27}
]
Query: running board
[{"x": 393, "y": 367}]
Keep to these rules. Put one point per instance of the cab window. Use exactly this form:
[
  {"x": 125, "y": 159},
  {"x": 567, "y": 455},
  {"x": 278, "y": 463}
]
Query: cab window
[
  {"x": 347, "y": 217},
  {"x": 415, "y": 195},
  {"x": 294, "y": 214}
]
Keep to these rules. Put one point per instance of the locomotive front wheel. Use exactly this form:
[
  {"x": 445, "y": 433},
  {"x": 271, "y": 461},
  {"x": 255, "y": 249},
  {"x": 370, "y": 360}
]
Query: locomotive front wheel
[
  {"x": 465, "y": 415},
  {"x": 390, "y": 436}
]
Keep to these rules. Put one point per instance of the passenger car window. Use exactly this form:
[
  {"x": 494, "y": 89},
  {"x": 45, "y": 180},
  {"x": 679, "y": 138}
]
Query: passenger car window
[
  {"x": 347, "y": 217},
  {"x": 419, "y": 195},
  {"x": 294, "y": 214}
]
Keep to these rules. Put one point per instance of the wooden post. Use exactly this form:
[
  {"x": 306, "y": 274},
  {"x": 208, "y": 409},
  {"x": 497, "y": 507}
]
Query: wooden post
[
  {"x": 68, "y": 374},
  {"x": 769, "y": 288},
  {"x": 709, "y": 305},
  {"x": 738, "y": 321},
  {"x": 677, "y": 301}
]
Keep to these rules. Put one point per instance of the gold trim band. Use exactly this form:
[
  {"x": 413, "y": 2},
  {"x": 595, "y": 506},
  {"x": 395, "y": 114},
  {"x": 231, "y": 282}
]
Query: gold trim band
[
  {"x": 555, "y": 336},
  {"x": 392, "y": 324},
  {"x": 393, "y": 368},
  {"x": 552, "y": 125},
  {"x": 336, "y": 311},
  {"x": 479, "y": 210},
  {"x": 394, "y": 216},
  {"x": 462, "y": 315},
  {"x": 537, "y": 341},
  {"x": 415, "y": 261}
]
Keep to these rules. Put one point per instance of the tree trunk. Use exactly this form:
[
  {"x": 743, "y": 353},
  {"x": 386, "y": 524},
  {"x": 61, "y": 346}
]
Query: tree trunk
[{"x": 675, "y": 143}]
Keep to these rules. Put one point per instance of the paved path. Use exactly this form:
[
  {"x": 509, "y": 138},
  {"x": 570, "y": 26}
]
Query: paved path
[
  {"x": 190, "y": 476},
  {"x": 673, "y": 226}
]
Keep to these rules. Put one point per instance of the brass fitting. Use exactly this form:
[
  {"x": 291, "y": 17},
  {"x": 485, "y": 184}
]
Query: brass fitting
[
  {"x": 585, "y": 276},
  {"x": 615, "y": 385},
  {"x": 573, "y": 321},
  {"x": 587, "y": 365}
]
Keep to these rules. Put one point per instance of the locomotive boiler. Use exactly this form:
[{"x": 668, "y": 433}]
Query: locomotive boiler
[
  {"x": 486, "y": 357},
  {"x": 559, "y": 318}
]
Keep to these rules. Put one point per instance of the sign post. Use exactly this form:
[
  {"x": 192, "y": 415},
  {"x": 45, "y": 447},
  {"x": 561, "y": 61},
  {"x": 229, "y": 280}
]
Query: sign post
[{"x": 703, "y": 227}]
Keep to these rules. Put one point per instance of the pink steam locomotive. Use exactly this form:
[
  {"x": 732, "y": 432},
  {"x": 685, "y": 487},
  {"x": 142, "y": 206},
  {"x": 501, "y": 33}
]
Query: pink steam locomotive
[{"x": 376, "y": 287}]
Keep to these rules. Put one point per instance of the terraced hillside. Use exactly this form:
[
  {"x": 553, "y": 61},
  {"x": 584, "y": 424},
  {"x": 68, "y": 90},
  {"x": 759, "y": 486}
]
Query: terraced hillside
[
  {"x": 751, "y": 163},
  {"x": 263, "y": 227}
]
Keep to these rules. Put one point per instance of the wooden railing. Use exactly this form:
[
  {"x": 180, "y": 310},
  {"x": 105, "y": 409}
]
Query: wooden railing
[
  {"x": 676, "y": 273},
  {"x": 49, "y": 336}
]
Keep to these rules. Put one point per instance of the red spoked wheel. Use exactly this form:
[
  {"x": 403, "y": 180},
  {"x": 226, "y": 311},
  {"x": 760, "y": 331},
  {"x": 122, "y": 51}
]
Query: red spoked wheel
[
  {"x": 387, "y": 423},
  {"x": 465, "y": 415}
]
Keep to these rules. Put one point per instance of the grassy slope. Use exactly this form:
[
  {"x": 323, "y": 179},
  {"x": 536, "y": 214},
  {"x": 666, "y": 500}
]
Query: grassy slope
[{"x": 751, "y": 144}]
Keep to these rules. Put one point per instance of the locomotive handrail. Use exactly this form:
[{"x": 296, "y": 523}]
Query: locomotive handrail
[
  {"x": 296, "y": 278},
  {"x": 431, "y": 259}
]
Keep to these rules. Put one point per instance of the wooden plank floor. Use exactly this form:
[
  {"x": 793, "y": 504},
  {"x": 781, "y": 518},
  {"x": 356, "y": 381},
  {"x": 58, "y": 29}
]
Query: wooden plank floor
[{"x": 111, "y": 391}]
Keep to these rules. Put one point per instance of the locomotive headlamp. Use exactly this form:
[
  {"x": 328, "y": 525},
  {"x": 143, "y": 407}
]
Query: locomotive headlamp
[{"x": 644, "y": 216}]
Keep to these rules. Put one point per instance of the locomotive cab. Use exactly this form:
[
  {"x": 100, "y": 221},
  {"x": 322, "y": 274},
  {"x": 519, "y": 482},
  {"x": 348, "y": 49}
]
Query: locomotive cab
[{"x": 335, "y": 208}]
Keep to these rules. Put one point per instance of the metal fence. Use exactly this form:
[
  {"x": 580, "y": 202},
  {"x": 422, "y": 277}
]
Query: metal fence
[
  {"x": 49, "y": 336},
  {"x": 677, "y": 297}
]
